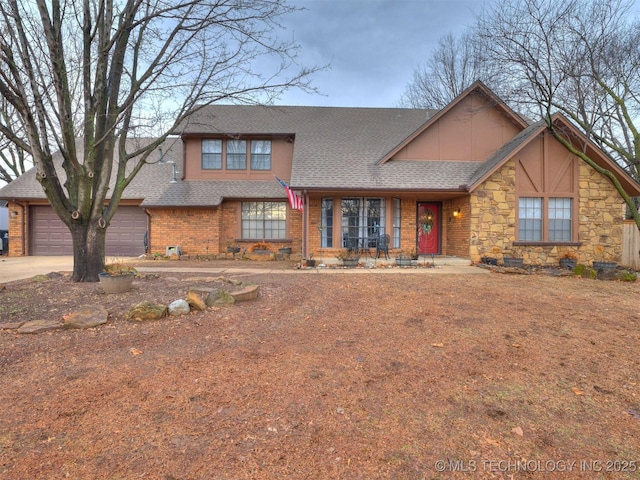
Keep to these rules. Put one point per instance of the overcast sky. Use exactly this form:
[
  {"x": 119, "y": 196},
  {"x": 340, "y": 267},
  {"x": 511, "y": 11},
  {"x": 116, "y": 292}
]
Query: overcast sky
[{"x": 373, "y": 46}]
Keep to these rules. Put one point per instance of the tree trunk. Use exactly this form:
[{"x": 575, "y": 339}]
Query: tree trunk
[{"x": 88, "y": 252}]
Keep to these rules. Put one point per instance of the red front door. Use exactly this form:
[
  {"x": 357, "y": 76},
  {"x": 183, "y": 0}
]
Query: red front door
[{"x": 428, "y": 228}]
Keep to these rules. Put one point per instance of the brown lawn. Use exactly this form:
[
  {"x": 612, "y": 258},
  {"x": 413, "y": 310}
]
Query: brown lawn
[{"x": 328, "y": 376}]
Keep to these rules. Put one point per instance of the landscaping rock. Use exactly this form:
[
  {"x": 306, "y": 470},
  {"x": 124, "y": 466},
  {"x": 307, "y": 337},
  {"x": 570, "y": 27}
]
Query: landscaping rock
[
  {"x": 196, "y": 301},
  {"x": 86, "y": 317},
  {"x": 37, "y": 326},
  {"x": 10, "y": 325},
  {"x": 179, "y": 307},
  {"x": 220, "y": 298},
  {"x": 146, "y": 311},
  {"x": 247, "y": 293}
]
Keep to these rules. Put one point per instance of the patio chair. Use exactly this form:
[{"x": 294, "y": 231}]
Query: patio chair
[{"x": 383, "y": 245}]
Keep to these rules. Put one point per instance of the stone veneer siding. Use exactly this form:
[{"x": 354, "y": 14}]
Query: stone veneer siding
[{"x": 493, "y": 220}]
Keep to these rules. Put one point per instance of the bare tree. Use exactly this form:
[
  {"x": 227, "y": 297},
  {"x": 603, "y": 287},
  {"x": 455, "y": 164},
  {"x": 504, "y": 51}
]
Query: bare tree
[
  {"x": 579, "y": 57},
  {"x": 13, "y": 161},
  {"x": 111, "y": 70},
  {"x": 452, "y": 66}
]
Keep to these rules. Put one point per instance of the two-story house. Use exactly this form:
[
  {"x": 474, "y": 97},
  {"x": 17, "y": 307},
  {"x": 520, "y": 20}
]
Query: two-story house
[{"x": 471, "y": 180}]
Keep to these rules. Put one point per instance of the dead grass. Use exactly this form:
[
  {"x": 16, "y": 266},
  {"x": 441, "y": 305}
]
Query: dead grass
[{"x": 330, "y": 376}]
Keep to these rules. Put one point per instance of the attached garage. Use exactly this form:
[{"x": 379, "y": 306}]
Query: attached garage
[{"x": 125, "y": 235}]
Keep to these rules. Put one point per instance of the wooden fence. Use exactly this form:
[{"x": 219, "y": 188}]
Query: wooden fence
[{"x": 630, "y": 245}]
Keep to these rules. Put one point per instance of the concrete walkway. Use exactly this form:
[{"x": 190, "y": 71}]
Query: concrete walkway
[{"x": 19, "y": 268}]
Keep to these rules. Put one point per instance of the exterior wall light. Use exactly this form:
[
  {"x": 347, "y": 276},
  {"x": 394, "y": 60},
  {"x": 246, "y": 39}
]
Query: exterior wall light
[{"x": 456, "y": 213}]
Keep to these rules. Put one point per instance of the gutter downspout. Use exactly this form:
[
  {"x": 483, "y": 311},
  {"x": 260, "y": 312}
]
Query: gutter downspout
[{"x": 148, "y": 233}]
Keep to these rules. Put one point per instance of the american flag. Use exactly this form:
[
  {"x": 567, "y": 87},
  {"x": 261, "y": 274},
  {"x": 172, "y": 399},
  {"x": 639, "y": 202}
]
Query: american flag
[{"x": 294, "y": 199}]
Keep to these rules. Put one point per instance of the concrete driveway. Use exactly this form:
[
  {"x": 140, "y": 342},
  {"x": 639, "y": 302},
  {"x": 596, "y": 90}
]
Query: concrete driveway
[{"x": 18, "y": 268}]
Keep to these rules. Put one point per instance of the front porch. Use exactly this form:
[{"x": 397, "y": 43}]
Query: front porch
[
  {"x": 416, "y": 225},
  {"x": 423, "y": 261}
]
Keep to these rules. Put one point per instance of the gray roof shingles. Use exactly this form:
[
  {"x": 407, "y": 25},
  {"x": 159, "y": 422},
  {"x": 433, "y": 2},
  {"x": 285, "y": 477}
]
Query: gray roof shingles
[
  {"x": 339, "y": 148},
  {"x": 335, "y": 148}
]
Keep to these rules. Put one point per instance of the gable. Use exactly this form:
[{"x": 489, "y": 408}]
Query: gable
[
  {"x": 473, "y": 129},
  {"x": 544, "y": 166}
]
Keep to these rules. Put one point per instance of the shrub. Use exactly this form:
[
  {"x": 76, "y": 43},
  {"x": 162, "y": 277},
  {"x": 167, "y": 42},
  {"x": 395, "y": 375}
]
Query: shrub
[{"x": 585, "y": 271}]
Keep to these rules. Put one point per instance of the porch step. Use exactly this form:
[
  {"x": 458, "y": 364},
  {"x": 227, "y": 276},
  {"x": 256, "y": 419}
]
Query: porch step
[{"x": 439, "y": 260}]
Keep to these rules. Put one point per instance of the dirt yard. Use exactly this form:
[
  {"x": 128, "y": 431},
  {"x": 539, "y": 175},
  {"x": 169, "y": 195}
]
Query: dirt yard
[{"x": 328, "y": 376}]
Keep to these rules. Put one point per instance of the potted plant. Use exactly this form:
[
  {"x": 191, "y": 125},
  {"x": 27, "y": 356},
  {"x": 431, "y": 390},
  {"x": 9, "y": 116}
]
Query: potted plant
[
  {"x": 515, "y": 260},
  {"x": 349, "y": 258},
  {"x": 568, "y": 260},
  {"x": 260, "y": 248},
  {"x": 233, "y": 248},
  {"x": 310, "y": 262},
  {"x": 601, "y": 266},
  {"x": 403, "y": 260},
  {"x": 489, "y": 260},
  {"x": 117, "y": 277}
]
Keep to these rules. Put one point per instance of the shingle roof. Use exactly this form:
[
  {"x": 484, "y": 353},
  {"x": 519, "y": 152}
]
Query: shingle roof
[
  {"x": 335, "y": 148},
  {"x": 152, "y": 177},
  {"x": 208, "y": 193},
  {"x": 338, "y": 147}
]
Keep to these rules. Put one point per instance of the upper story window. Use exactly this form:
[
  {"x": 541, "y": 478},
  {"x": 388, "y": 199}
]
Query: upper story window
[
  {"x": 260, "y": 154},
  {"x": 211, "y": 154},
  {"x": 236, "y": 154}
]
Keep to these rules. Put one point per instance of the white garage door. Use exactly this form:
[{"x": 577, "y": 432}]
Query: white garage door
[{"x": 125, "y": 235}]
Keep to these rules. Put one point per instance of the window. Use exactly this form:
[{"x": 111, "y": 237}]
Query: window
[
  {"x": 264, "y": 220},
  {"x": 211, "y": 154},
  {"x": 326, "y": 228},
  {"x": 531, "y": 219},
  {"x": 260, "y": 155},
  {"x": 397, "y": 222},
  {"x": 362, "y": 217},
  {"x": 560, "y": 219},
  {"x": 236, "y": 154}
]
